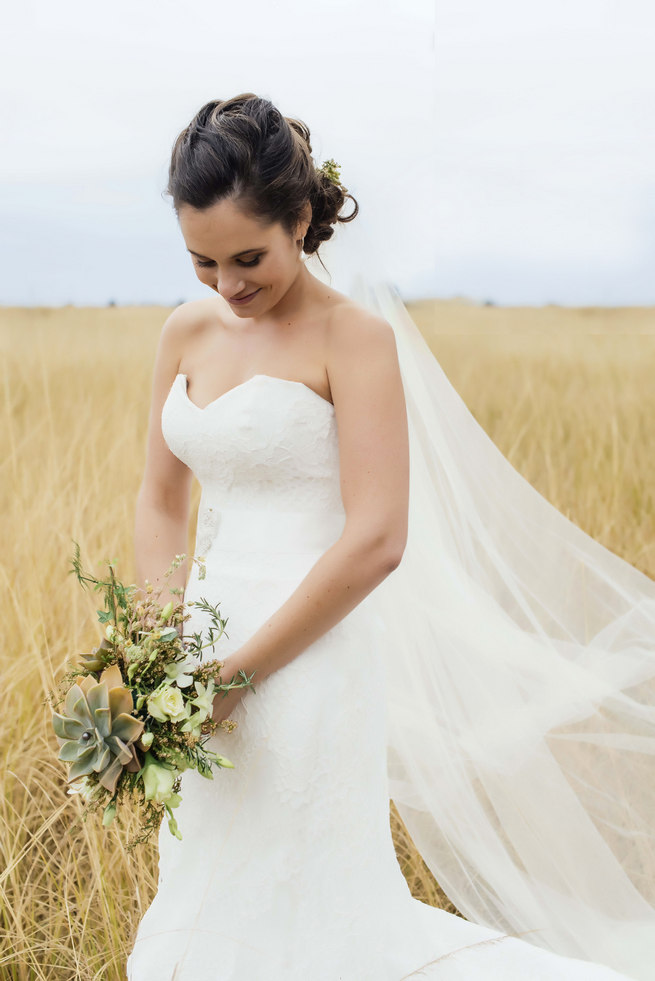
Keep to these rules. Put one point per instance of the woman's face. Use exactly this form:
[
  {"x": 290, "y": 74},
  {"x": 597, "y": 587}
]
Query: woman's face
[{"x": 236, "y": 255}]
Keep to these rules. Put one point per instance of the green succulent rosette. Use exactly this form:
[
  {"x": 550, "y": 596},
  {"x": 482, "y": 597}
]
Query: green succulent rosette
[
  {"x": 97, "y": 732},
  {"x": 94, "y": 661}
]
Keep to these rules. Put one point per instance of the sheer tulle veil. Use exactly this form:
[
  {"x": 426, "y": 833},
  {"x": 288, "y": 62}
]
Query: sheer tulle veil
[{"x": 520, "y": 665}]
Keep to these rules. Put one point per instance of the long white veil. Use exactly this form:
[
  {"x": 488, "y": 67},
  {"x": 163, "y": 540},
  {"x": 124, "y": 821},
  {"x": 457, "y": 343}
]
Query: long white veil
[{"x": 521, "y": 682}]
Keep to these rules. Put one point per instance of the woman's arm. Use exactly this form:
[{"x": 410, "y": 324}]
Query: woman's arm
[
  {"x": 162, "y": 505},
  {"x": 369, "y": 403}
]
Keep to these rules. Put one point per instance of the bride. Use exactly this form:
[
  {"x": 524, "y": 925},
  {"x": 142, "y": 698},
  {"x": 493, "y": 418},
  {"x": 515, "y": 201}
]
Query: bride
[{"x": 421, "y": 625}]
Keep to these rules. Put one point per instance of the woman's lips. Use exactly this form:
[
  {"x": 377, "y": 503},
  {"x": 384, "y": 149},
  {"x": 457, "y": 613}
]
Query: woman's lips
[{"x": 246, "y": 299}]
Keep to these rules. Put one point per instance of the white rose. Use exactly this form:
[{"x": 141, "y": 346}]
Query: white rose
[{"x": 168, "y": 703}]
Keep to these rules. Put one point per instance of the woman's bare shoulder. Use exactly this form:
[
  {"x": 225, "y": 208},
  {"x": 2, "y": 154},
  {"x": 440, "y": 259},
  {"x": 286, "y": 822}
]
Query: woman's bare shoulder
[
  {"x": 191, "y": 316},
  {"x": 183, "y": 327},
  {"x": 354, "y": 330}
]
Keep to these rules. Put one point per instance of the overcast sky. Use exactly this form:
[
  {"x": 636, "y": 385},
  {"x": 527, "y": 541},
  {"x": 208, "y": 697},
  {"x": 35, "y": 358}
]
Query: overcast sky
[{"x": 499, "y": 151}]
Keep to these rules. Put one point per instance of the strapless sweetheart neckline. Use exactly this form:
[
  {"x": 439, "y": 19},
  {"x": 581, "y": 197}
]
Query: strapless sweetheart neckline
[{"x": 235, "y": 388}]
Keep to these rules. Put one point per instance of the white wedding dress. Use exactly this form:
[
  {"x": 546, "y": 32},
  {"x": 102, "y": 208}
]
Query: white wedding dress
[{"x": 287, "y": 869}]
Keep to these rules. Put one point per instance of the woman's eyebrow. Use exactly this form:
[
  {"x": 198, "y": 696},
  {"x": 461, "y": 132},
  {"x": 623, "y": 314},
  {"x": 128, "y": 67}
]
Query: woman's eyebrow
[{"x": 245, "y": 252}]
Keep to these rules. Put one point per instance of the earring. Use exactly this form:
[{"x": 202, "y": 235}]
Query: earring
[{"x": 302, "y": 243}]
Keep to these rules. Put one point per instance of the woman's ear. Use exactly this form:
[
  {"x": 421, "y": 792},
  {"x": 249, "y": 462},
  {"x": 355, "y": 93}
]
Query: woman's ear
[{"x": 305, "y": 220}]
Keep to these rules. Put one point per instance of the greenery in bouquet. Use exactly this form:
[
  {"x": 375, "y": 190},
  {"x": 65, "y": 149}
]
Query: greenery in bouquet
[{"x": 137, "y": 712}]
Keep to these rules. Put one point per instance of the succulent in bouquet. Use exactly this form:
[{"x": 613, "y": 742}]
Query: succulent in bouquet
[{"x": 137, "y": 710}]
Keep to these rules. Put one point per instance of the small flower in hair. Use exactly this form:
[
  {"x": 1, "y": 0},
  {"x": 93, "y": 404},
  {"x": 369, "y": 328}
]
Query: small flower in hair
[{"x": 331, "y": 170}]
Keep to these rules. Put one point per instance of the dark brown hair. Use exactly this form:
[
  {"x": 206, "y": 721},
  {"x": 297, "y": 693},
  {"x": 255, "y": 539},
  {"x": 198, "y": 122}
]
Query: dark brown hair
[{"x": 245, "y": 148}]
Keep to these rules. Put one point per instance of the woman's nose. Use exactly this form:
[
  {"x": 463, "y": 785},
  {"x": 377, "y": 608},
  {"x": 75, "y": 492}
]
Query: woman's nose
[{"x": 230, "y": 287}]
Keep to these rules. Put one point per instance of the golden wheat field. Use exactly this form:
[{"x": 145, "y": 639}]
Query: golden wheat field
[{"x": 567, "y": 395}]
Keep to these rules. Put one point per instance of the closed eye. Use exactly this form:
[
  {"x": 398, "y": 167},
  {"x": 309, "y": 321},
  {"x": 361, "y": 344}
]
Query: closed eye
[{"x": 242, "y": 262}]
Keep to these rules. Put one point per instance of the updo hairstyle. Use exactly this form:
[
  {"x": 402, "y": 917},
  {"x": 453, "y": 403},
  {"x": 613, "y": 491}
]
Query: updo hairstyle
[{"x": 246, "y": 149}]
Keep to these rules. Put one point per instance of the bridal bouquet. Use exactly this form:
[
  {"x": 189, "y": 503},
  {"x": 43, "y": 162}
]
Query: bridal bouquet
[{"x": 136, "y": 709}]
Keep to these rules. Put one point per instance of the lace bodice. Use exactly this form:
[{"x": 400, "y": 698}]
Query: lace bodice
[
  {"x": 283, "y": 460},
  {"x": 282, "y": 457}
]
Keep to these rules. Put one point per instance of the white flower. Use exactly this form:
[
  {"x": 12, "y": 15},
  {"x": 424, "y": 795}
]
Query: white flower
[
  {"x": 84, "y": 788},
  {"x": 167, "y": 703},
  {"x": 177, "y": 672},
  {"x": 204, "y": 700}
]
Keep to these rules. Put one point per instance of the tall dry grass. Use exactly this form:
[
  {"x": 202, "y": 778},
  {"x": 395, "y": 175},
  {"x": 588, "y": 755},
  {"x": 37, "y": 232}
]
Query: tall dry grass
[{"x": 567, "y": 395}]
